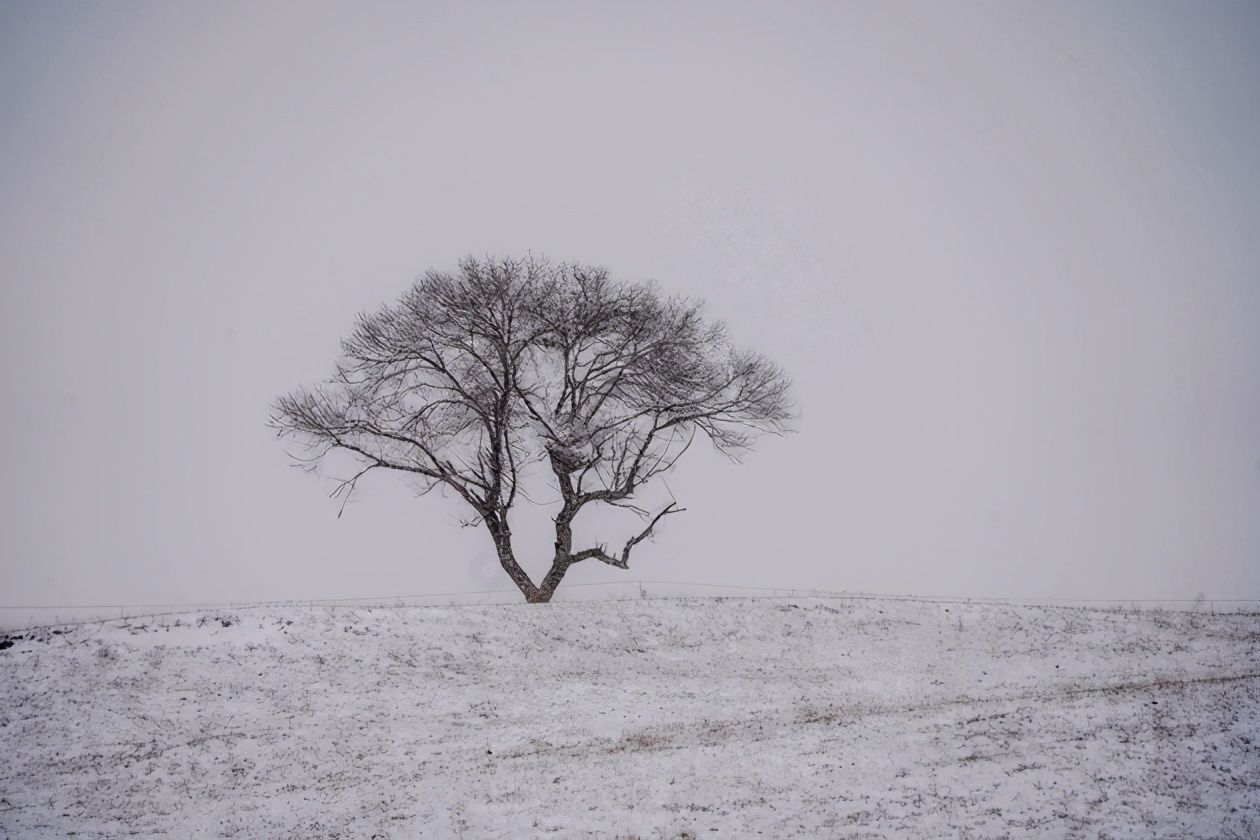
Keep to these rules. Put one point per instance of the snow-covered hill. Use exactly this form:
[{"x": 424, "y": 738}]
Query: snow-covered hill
[{"x": 657, "y": 719}]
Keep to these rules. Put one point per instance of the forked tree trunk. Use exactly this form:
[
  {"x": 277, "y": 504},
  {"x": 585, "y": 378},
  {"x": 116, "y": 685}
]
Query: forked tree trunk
[
  {"x": 561, "y": 560},
  {"x": 502, "y": 536}
]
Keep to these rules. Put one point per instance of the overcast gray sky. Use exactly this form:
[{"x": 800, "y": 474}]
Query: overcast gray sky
[{"x": 1008, "y": 252}]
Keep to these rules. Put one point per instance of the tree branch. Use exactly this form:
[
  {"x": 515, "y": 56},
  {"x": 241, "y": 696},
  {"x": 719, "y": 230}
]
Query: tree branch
[{"x": 601, "y": 554}]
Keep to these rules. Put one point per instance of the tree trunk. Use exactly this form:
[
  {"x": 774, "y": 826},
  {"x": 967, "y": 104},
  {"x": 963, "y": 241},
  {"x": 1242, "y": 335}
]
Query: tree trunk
[
  {"x": 552, "y": 581},
  {"x": 563, "y": 557},
  {"x": 502, "y": 536}
]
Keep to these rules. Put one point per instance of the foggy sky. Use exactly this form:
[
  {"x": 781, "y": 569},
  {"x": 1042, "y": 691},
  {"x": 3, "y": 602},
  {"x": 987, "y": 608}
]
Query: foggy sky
[{"x": 1008, "y": 253}]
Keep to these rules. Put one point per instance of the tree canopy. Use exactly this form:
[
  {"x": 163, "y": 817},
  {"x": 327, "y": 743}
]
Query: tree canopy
[{"x": 473, "y": 374}]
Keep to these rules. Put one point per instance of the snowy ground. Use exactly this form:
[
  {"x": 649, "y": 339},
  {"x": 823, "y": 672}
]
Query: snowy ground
[{"x": 653, "y": 719}]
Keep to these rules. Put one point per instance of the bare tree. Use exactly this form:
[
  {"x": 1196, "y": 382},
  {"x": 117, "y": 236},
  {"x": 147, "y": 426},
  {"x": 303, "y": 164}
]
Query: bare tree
[{"x": 472, "y": 375}]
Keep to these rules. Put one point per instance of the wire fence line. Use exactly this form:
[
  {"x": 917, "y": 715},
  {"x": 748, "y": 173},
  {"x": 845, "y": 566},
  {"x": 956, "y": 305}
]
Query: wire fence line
[
  {"x": 16, "y": 616},
  {"x": 370, "y": 599}
]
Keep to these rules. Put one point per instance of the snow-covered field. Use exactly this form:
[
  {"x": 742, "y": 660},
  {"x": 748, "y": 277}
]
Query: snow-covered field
[{"x": 653, "y": 719}]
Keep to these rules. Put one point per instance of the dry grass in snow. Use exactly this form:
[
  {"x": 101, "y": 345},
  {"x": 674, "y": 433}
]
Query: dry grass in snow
[{"x": 654, "y": 719}]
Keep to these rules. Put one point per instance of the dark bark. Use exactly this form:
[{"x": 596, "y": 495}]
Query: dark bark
[
  {"x": 502, "y": 536},
  {"x": 563, "y": 557}
]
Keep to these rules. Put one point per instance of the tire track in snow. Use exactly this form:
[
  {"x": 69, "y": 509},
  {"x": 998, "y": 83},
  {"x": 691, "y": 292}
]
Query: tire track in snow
[{"x": 712, "y": 732}]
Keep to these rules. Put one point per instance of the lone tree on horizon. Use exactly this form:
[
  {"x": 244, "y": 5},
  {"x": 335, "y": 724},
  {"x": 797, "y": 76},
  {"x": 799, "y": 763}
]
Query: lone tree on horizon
[{"x": 472, "y": 375}]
